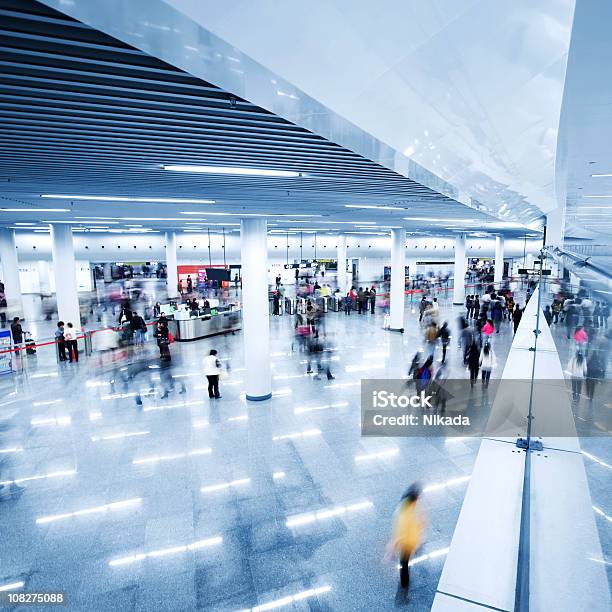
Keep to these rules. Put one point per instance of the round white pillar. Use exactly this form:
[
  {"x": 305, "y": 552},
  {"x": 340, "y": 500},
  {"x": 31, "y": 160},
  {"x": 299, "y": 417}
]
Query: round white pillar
[
  {"x": 64, "y": 271},
  {"x": 342, "y": 263},
  {"x": 255, "y": 308},
  {"x": 171, "y": 265},
  {"x": 10, "y": 273},
  {"x": 459, "y": 277},
  {"x": 499, "y": 261},
  {"x": 398, "y": 279}
]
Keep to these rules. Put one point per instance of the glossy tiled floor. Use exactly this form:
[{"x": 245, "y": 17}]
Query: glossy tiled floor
[{"x": 187, "y": 503}]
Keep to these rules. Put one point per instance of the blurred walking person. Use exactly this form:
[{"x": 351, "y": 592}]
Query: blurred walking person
[
  {"x": 408, "y": 532},
  {"x": 577, "y": 369},
  {"x": 473, "y": 362},
  {"x": 444, "y": 336},
  {"x": 487, "y": 362}
]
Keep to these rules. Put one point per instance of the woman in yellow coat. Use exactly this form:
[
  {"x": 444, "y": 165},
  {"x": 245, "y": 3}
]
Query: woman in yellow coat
[{"x": 408, "y": 531}]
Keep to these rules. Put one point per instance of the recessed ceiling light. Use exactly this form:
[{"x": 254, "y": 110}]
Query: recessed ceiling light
[
  {"x": 229, "y": 170},
  {"x": 61, "y": 196},
  {"x": 374, "y": 207}
]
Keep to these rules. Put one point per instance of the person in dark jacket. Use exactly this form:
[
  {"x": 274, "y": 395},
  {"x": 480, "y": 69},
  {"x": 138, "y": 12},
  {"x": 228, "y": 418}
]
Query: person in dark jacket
[
  {"x": 444, "y": 336},
  {"x": 17, "y": 331},
  {"x": 473, "y": 362},
  {"x": 61, "y": 341},
  {"x": 139, "y": 327},
  {"x": 517, "y": 315}
]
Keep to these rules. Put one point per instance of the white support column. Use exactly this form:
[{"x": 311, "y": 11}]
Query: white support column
[
  {"x": 398, "y": 263},
  {"x": 255, "y": 308},
  {"x": 64, "y": 271},
  {"x": 459, "y": 277},
  {"x": 10, "y": 273},
  {"x": 342, "y": 263},
  {"x": 171, "y": 265},
  {"x": 499, "y": 261},
  {"x": 108, "y": 272}
]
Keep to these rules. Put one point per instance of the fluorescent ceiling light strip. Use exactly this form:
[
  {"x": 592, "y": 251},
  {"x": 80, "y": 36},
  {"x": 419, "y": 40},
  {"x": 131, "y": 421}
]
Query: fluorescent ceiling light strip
[
  {"x": 41, "y": 477},
  {"x": 230, "y": 170},
  {"x": 167, "y": 551},
  {"x": 606, "y": 174},
  {"x": 311, "y": 517},
  {"x": 598, "y": 196},
  {"x": 94, "y": 198},
  {"x": 225, "y": 485},
  {"x": 374, "y": 207},
  {"x": 96, "y": 510},
  {"x": 15, "y": 449}
]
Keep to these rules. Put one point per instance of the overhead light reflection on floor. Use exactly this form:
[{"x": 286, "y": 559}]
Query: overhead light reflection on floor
[
  {"x": 225, "y": 485},
  {"x": 602, "y": 513},
  {"x": 289, "y": 599},
  {"x": 118, "y": 436},
  {"x": 63, "y": 420},
  {"x": 40, "y": 477},
  {"x": 342, "y": 385},
  {"x": 95, "y": 510},
  {"x": 442, "y": 485},
  {"x": 156, "y": 458},
  {"x": 12, "y": 586},
  {"x": 311, "y": 517},
  {"x": 162, "y": 552},
  {"x": 596, "y": 460},
  {"x": 315, "y": 408},
  {"x": 15, "y": 449},
  {"x": 379, "y": 455},
  {"x": 298, "y": 434},
  {"x": 48, "y": 402},
  {"x": 171, "y": 406}
]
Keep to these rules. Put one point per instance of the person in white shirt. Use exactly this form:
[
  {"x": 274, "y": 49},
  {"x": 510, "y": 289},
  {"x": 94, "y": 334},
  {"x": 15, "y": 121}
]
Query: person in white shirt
[
  {"x": 577, "y": 368},
  {"x": 70, "y": 336},
  {"x": 212, "y": 370},
  {"x": 487, "y": 362}
]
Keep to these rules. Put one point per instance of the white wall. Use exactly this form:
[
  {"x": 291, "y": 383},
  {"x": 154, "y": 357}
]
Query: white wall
[
  {"x": 30, "y": 280},
  {"x": 194, "y": 247}
]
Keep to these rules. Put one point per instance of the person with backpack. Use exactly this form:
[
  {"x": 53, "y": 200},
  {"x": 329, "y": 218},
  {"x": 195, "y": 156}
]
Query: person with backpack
[
  {"x": 212, "y": 370},
  {"x": 431, "y": 338},
  {"x": 423, "y": 375}
]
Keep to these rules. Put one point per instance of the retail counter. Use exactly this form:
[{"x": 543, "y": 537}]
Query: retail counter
[{"x": 203, "y": 326}]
